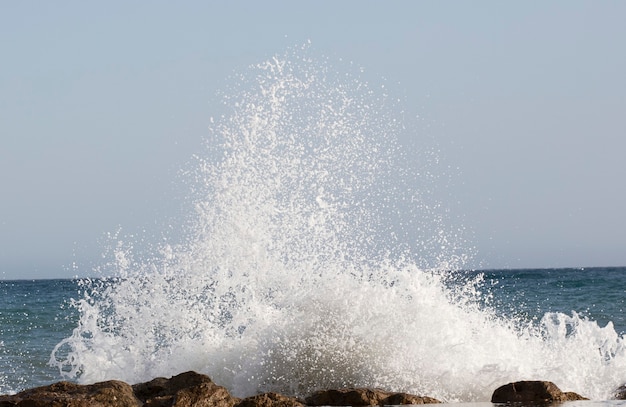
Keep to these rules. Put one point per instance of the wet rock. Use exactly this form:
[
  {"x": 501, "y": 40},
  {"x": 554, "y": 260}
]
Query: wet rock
[
  {"x": 271, "y": 400},
  {"x": 65, "y": 394},
  {"x": 364, "y": 397},
  {"x": 620, "y": 393},
  {"x": 192, "y": 389},
  {"x": 185, "y": 389},
  {"x": 396, "y": 399},
  {"x": 532, "y": 392},
  {"x": 572, "y": 396}
]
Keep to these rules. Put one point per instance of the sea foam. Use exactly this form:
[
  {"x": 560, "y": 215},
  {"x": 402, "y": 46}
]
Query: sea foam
[{"x": 316, "y": 257}]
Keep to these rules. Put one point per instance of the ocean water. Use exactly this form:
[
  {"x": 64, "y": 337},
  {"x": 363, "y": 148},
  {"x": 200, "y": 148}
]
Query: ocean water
[
  {"x": 586, "y": 305},
  {"x": 316, "y": 255},
  {"x": 34, "y": 317}
]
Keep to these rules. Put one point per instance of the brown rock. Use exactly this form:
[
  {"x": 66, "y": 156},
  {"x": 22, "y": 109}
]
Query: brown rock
[
  {"x": 191, "y": 389},
  {"x": 270, "y": 400},
  {"x": 533, "y": 392},
  {"x": 343, "y": 397},
  {"x": 571, "y": 396},
  {"x": 364, "y": 397},
  {"x": 185, "y": 389},
  {"x": 620, "y": 393},
  {"x": 152, "y": 389},
  {"x": 65, "y": 394},
  {"x": 396, "y": 399}
]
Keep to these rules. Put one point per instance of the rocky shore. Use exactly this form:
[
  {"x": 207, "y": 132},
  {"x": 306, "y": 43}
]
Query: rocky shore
[{"x": 194, "y": 389}]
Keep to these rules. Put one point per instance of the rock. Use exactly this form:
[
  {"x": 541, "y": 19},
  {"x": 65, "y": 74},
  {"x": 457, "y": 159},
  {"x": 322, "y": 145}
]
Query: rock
[
  {"x": 344, "y": 397},
  {"x": 65, "y": 394},
  {"x": 620, "y": 393},
  {"x": 270, "y": 400},
  {"x": 191, "y": 389},
  {"x": 572, "y": 396},
  {"x": 185, "y": 389},
  {"x": 364, "y": 397},
  {"x": 396, "y": 399},
  {"x": 532, "y": 392}
]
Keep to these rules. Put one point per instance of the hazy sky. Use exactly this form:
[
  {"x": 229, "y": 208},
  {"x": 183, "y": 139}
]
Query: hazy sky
[{"x": 102, "y": 103}]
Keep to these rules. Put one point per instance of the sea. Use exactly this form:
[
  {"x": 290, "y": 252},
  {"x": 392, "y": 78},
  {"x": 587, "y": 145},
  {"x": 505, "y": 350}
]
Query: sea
[
  {"x": 317, "y": 252},
  {"x": 575, "y": 315}
]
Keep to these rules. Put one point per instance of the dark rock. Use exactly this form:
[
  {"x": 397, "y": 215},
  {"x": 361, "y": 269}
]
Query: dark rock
[
  {"x": 532, "y": 392},
  {"x": 396, "y": 399},
  {"x": 65, "y": 394},
  {"x": 152, "y": 389},
  {"x": 620, "y": 393},
  {"x": 343, "y": 397},
  {"x": 364, "y": 397},
  {"x": 191, "y": 389},
  {"x": 270, "y": 400},
  {"x": 185, "y": 389}
]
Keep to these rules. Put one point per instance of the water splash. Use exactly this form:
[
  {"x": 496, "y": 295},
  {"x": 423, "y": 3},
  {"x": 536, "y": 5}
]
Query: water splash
[{"x": 313, "y": 261}]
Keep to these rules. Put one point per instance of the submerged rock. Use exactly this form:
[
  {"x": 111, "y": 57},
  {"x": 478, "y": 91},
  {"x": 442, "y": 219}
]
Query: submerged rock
[
  {"x": 364, "y": 397},
  {"x": 532, "y": 392}
]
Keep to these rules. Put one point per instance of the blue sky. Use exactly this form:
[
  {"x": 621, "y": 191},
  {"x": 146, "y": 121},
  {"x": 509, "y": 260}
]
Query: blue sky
[{"x": 103, "y": 103}]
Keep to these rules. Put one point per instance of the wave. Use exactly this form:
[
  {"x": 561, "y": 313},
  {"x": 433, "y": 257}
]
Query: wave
[{"x": 317, "y": 257}]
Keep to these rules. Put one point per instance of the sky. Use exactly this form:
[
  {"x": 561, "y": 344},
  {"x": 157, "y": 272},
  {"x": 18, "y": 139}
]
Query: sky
[{"x": 103, "y": 103}]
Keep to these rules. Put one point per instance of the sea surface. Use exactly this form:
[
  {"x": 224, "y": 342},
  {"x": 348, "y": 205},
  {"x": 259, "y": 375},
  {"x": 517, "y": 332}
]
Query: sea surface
[
  {"x": 317, "y": 252},
  {"x": 36, "y": 315}
]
